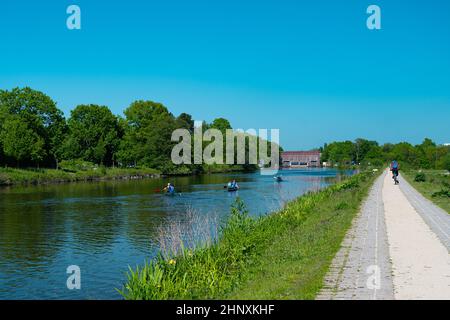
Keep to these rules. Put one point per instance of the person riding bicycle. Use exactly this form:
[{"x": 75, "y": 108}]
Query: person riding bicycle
[{"x": 395, "y": 167}]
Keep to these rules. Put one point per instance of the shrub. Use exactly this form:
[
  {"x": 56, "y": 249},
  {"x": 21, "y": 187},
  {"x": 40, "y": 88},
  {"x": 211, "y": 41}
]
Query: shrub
[
  {"x": 420, "y": 177},
  {"x": 443, "y": 193},
  {"x": 76, "y": 165}
]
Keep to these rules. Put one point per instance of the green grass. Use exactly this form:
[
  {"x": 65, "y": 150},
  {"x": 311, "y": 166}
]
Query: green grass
[
  {"x": 284, "y": 255},
  {"x": 436, "y": 186},
  {"x": 11, "y": 176}
]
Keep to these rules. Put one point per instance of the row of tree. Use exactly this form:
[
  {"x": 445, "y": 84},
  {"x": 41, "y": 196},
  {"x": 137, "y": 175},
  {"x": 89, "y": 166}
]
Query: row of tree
[
  {"x": 34, "y": 132},
  {"x": 427, "y": 155}
]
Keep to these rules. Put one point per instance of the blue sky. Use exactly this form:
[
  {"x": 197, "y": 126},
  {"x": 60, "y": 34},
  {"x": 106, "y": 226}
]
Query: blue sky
[{"x": 310, "y": 68}]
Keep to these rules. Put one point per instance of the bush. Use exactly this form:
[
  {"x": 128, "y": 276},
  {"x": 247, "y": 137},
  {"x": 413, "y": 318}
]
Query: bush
[
  {"x": 420, "y": 177},
  {"x": 443, "y": 193},
  {"x": 447, "y": 163},
  {"x": 76, "y": 165}
]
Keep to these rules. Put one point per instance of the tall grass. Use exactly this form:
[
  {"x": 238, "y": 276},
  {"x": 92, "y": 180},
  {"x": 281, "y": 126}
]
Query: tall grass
[{"x": 306, "y": 233}]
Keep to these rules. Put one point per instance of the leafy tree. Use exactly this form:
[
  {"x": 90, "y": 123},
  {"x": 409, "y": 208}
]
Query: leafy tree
[
  {"x": 41, "y": 118},
  {"x": 148, "y": 131},
  {"x": 362, "y": 147},
  {"x": 339, "y": 152},
  {"x": 446, "y": 162},
  {"x": 221, "y": 124},
  {"x": 185, "y": 121},
  {"x": 94, "y": 135},
  {"x": 21, "y": 142}
]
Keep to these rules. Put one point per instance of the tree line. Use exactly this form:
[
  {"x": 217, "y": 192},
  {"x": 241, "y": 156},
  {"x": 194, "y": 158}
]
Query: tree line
[
  {"x": 35, "y": 133},
  {"x": 427, "y": 155}
]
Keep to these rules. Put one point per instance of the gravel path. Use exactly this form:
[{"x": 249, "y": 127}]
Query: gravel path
[
  {"x": 397, "y": 248},
  {"x": 361, "y": 269},
  {"x": 436, "y": 218},
  {"x": 420, "y": 261}
]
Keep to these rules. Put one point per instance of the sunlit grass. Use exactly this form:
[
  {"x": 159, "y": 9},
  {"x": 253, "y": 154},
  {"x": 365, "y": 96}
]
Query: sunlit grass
[
  {"x": 11, "y": 176},
  {"x": 433, "y": 184}
]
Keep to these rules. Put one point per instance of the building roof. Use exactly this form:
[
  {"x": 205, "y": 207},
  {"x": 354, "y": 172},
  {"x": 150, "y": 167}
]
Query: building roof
[{"x": 300, "y": 153}]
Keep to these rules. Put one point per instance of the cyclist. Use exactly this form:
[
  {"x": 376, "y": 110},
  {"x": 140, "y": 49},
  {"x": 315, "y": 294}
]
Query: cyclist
[{"x": 395, "y": 167}]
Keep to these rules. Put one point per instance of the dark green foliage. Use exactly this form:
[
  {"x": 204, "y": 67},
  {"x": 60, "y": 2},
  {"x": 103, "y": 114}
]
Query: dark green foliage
[
  {"x": 31, "y": 128},
  {"x": 445, "y": 193},
  {"x": 420, "y": 177},
  {"x": 94, "y": 135}
]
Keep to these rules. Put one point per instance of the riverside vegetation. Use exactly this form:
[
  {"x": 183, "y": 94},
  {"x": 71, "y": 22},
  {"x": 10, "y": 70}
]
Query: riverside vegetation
[
  {"x": 433, "y": 184},
  {"x": 283, "y": 255},
  {"x": 35, "y": 134}
]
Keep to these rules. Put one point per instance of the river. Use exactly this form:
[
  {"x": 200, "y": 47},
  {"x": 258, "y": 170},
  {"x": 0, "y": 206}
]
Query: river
[{"x": 104, "y": 227}]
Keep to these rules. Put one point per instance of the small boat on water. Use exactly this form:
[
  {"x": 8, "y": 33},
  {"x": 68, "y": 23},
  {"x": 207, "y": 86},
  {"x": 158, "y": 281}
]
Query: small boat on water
[{"x": 232, "y": 186}]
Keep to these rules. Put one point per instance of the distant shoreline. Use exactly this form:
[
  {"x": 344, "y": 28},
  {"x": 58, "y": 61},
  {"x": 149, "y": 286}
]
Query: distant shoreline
[
  {"x": 19, "y": 177},
  {"x": 11, "y": 177}
]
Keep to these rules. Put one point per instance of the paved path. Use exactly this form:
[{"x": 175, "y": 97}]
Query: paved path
[
  {"x": 363, "y": 256},
  {"x": 397, "y": 248},
  {"x": 436, "y": 218}
]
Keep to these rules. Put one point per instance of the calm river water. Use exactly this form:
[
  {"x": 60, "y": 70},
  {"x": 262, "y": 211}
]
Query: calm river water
[{"x": 104, "y": 227}]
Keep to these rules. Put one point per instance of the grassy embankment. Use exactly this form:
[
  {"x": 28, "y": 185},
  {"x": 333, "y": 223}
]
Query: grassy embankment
[
  {"x": 433, "y": 184},
  {"x": 10, "y": 176},
  {"x": 284, "y": 255}
]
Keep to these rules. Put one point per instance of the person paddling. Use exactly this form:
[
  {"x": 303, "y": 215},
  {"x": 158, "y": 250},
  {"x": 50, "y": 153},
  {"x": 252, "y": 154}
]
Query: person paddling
[
  {"x": 170, "y": 188},
  {"x": 233, "y": 185}
]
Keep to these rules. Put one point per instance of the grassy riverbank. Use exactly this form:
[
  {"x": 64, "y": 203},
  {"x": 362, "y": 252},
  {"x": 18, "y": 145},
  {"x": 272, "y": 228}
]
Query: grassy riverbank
[
  {"x": 10, "y": 176},
  {"x": 433, "y": 184},
  {"x": 284, "y": 255}
]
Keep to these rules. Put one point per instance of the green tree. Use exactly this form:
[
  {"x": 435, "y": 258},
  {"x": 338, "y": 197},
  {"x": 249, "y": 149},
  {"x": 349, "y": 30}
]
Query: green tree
[
  {"x": 341, "y": 153},
  {"x": 94, "y": 135},
  {"x": 185, "y": 121},
  {"x": 41, "y": 118},
  {"x": 148, "y": 131},
  {"x": 20, "y": 142},
  {"x": 221, "y": 124},
  {"x": 361, "y": 149},
  {"x": 446, "y": 162}
]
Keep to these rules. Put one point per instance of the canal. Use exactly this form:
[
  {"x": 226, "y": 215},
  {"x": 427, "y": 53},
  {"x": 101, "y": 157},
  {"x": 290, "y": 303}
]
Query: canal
[{"x": 104, "y": 227}]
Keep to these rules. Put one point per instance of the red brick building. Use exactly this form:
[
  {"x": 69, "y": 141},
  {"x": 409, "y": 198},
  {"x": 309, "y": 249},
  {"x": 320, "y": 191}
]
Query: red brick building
[{"x": 301, "y": 159}]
